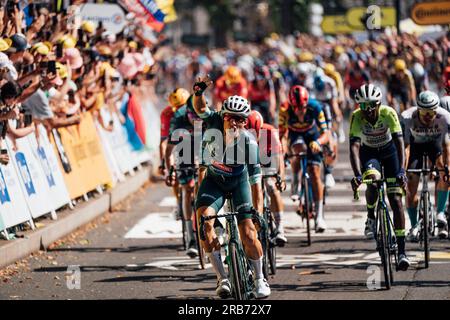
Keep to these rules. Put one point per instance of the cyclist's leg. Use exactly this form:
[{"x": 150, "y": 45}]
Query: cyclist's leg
[
  {"x": 314, "y": 170},
  {"x": 442, "y": 190},
  {"x": 187, "y": 182},
  {"x": 297, "y": 145},
  {"x": 210, "y": 200},
  {"x": 412, "y": 199},
  {"x": 391, "y": 165},
  {"x": 242, "y": 201}
]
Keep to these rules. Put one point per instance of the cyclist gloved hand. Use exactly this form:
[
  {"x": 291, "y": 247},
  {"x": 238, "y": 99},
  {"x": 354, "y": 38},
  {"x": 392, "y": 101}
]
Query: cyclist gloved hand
[
  {"x": 402, "y": 178},
  {"x": 170, "y": 179},
  {"x": 201, "y": 85},
  {"x": 356, "y": 182},
  {"x": 315, "y": 147}
]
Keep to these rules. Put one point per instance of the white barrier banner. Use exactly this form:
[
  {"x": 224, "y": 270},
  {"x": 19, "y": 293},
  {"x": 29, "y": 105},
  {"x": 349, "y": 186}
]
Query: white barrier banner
[
  {"x": 34, "y": 182},
  {"x": 113, "y": 164},
  {"x": 118, "y": 140},
  {"x": 49, "y": 164},
  {"x": 13, "y": 206}
]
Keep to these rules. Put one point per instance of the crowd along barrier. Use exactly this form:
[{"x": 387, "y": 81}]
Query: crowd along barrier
[{"x": 48, "y": 170}]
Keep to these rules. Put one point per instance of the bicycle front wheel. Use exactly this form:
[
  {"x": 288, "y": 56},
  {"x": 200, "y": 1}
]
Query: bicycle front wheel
[
  {"x": 236, "y": 274},
  {"x": 383, "y": 247},
  {"x": 425, "y": 231},
  {"x": 306, "y": 206}
]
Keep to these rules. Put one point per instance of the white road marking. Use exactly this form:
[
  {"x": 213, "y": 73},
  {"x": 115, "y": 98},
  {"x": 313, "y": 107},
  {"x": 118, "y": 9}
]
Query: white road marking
[{"x": 301, "y": 260}]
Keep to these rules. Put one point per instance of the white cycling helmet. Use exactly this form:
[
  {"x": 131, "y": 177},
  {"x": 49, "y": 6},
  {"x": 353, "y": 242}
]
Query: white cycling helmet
[
  {"x": 445, "y": 103},
  {"x": 427, "y": 100},
  {"x": 368, "y": 93},
  {"x": 236, "y": 105}
]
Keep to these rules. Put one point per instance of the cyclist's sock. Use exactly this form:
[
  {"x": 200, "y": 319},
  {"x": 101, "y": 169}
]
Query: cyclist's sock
[
  {"x": 277, "y": 218},
  {"x": 400, "y": 234},
  {"x": 442, "y": 196},
  {"x": 190, "y": 231},
  {"x": 412, "y": 213},
  {"x": 371, "y": 210},
  {"x": 319, "y": 208},
  {"x": 257, "y": 267},
  {"x": 217, "y": 264}
]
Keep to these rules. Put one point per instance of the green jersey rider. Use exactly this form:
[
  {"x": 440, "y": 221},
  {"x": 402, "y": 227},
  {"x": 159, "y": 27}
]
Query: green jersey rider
[{"x": 234, "y": 171}]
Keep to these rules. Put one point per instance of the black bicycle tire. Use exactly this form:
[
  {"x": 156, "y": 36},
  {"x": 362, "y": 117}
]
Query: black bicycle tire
[
  {"x": 235, "y": 274},
  {"x": 265, "y": 246},
  {"x": 426, "y": 238},
  {"x": 201, "y": 251},
  {"x": 272, "y": 246},
  {"x": 306, "y": 205},
  {"x": 183, "y": 222},
  {"x": 384, "y": 253}
]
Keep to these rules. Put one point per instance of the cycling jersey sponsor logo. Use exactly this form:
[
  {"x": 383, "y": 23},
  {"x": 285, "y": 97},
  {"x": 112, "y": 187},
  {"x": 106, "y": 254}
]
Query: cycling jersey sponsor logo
[{"x": 221, "y": 166}]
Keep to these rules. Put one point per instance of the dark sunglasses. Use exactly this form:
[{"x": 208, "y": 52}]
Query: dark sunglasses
[
  {"x": 237, "y": 119},
  {"x": 366, "y": 106}
]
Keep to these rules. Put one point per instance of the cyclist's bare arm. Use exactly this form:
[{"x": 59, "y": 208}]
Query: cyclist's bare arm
[
  {"x": 355, "y": 161},
  {"x": 168, "y": 156},
  {"x": 257, "y": 197},
  {"x": 400, "y": 145}
]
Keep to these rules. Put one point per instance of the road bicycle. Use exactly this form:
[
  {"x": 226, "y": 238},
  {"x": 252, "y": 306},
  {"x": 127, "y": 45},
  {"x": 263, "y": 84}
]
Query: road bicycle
[
  {"x": 427, "y": 214},
  {"x": 305, "y": 207},
  {"x": 268, "y": 235},
  {"x": 240, "y": 272},
  {"x": 384, "y": 232},
  {"x": 426, "y": 211}
]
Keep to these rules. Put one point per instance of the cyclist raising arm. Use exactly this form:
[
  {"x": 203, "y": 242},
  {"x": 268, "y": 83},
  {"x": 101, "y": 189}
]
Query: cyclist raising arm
[
  {"x": 228, "y": 175},
  {"x": 376, "y": 140}
]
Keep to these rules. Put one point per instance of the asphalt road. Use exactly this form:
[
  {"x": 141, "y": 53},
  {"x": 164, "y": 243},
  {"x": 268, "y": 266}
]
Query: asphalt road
[{"x": 136, "y": 253}]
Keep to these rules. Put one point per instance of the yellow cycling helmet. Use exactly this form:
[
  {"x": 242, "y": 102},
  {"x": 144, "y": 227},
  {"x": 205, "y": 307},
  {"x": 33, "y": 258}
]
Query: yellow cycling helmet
[
  {"x": 400, "y": 65},
  {"x": 233, "y": 74},
  {"x": 306, "y": 56},
  {"x": 329, "y": 68},
  {"x": 178, "y": 97}
]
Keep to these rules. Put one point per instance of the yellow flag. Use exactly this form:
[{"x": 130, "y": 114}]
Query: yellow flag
[{"x": 166, "y": 6}]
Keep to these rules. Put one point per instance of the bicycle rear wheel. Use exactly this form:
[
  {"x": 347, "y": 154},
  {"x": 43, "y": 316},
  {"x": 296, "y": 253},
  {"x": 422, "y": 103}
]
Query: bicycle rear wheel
[
  {"x": 183, "y": 222},
  {"x": 383, "y": 247},
  {"x": 265, "y": 243},
  {"x": 201, "y": 251},
  {"x": 272, "y": 245}
]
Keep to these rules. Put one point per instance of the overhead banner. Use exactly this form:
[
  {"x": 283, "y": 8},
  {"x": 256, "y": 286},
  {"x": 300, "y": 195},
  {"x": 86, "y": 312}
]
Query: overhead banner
[
  {"x": 111, "y": 16},
  {"x": 352, "y": 20},
  {"x": 429, "y": 13},
  {"x": 167, "y": 7},
  {"x": 146, "y": 11}
]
